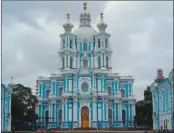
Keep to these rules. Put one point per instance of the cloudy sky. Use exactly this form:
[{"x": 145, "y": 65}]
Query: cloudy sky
[{"x": 141, "y": 38}]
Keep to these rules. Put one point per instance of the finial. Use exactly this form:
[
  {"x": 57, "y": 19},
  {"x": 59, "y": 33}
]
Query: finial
[
  {"x": 68, "y": 13},
  {"x": 68, "y": 16},
  {"x": 84, "y": 5},
  {"x": 12, "y": 78},
  {"x": 101, "y": 14},
  {"x": 101, "y": 17}
]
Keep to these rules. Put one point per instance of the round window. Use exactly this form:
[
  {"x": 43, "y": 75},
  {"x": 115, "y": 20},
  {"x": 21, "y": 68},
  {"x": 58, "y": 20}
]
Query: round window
[{"x": 84, "y": 87}]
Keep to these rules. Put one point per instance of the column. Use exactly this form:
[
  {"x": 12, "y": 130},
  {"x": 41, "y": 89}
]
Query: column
[
  {"x": 49, "y": 111},
  {"x": 95, "y": 81},
  {"x": 128, "y": 89},
  {"x": 66, "y": 81},
  {"x": 110, "y": 61},
  {"x": 54, "y": 119},
  {"x": 113, "y": 89},
  {"x": 78, "y": 62},
  {"x": 75, "y": 109},
  {"x": 133, "y": 106},
  {"x": 92, "y": 59},
  {"x": 74, "y": 62},
  {"x": 103, "y": 83},
  {"x": 63, "y": 109},
  {"x": 95, "y": 109},
  {"x": 120, "y": 111},
  {"x": 66, "y": 111},
  {"x": 103, "y": 107}
]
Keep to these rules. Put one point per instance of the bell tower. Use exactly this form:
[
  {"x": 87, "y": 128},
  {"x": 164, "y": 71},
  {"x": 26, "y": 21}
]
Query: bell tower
[
  {"x": 102, "y": 45},
  {"x": 67, "y": 46}
]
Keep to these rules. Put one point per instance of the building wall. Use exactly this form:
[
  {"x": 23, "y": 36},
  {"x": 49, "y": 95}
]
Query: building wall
[
  {"x": 162, "y": 95},
  {"x": 5, "y": 108},
  {"x": 65, "y": 104}
]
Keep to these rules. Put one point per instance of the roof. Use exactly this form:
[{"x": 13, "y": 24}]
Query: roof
[{"x": 85, "y": 33}]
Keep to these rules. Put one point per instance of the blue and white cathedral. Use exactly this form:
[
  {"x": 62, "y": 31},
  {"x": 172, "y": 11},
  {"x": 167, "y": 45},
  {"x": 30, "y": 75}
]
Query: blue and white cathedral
[{"x": 85, "y": 93}]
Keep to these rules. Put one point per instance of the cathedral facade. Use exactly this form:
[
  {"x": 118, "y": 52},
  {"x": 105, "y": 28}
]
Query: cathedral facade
[
  {"x": 163, "y": 101},
  {"x": 85, "y": 93}
]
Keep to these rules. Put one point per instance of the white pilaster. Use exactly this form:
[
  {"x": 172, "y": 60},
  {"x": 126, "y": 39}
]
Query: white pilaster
[
  {"x": 63, "y": 109},
  {"x": 120, "y": 111},
  {"x": 92, "y": 59},
  {"x": 66, "y": 111},
  {"x": 49, "y": 111},
  {"x": 103, "y": 111},
  {"x": 75, "y": 110}
]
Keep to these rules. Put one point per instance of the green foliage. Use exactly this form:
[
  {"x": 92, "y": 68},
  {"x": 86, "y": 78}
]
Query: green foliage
[
  {"x": 22, "y": 105},
  {"x": 144, "y": 108}
]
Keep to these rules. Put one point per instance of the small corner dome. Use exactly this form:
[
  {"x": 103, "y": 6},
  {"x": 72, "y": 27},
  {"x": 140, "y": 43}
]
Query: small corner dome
[{"x": 85, "y": 33}]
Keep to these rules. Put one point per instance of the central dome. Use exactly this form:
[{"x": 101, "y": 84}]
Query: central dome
[{"x": 85, "y": 33}]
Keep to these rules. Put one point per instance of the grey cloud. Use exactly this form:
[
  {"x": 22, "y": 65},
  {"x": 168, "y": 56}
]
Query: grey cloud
[{"x": 141, "y": 38}]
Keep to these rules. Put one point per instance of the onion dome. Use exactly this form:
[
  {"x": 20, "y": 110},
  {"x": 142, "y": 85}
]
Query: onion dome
[
  {"x": 85, "y": 17},
  {"x": 68, "y": 26},
  {"x": 101, "y": 25},
  {"x": 85, "y": 31}
]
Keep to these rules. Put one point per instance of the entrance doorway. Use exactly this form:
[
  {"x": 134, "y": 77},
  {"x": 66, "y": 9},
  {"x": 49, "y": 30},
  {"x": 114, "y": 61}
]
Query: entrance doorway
[{"x": 84, "y": 117}]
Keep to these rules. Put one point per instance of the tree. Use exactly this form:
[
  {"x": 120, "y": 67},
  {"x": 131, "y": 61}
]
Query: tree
[
  {"x": 147, "y": 95},
  {"x": 144, "y": 108},
  {"x": 22, "y": 105}
]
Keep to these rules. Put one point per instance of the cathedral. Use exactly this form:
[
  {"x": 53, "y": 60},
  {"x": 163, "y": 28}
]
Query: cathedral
[{"x": 85, "y": 93}]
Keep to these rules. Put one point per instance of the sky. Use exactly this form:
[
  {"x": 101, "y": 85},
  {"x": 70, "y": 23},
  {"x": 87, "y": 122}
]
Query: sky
[{"x": 141, "y": 38}]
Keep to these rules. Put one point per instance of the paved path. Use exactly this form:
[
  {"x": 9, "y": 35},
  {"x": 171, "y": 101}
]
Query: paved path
[{"x": 94, "y": 131}]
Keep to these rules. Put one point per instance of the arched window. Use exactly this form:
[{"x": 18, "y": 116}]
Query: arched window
[
  {"x": 63, "y": 43},
  {"x": 85, "y": 62},
  {"x": 109, "y": 91},
  {"x": 70, "y": 45},
  {"x": 60, "y": 116},
  {"x": 71, "y": 62},
  {"x": 47, "y": 93},
  {"x": 110, "y": 116},
  {"x": 98, "y": 61},
  {"x": 106, "y": 43},
  {"x": 122, "y": 92},
  {"x": 60, "y": 91},
  {"x": 63, "y": 62},
  {"x": 85, "y": 46},
  {"x": 98, "y": 43},
  {"x": 107, "y": 61}
]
